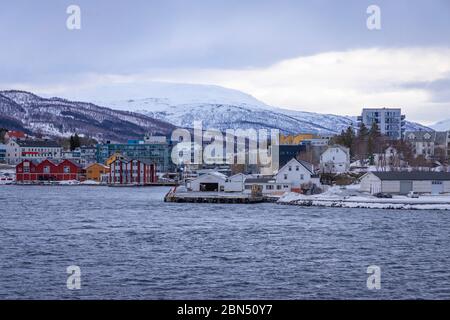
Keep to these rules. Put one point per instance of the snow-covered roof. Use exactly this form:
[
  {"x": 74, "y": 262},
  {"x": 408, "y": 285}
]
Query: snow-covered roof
[
  {"x": 308, "y": 166},
  {"x": 412, "y": 176},
  {"x": 345, "y": 149}
]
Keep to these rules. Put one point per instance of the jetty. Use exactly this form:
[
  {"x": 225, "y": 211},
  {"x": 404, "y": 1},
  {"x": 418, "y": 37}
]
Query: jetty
[{"x": 212, "y": 197}]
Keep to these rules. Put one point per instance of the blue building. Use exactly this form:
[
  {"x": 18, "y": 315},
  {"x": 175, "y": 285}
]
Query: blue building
[
  {"x": 2, "y": 153},
  {"x": 151, "y": 150}
]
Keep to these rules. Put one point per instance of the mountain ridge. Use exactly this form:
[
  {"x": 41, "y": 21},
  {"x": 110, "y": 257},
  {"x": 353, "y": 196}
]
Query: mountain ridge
[
  {"x": 132, "y": 118},
  {"x": 59, "y": 117}
]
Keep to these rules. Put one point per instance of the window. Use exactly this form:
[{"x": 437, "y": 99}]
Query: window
[
  {"x": 269, "y": 187},
  {"x": 302, "y": 177},
  {"x": 279, "y": 187},
  {"x": 290, "y": 168},
  {"x": 285, "y": 176},
  {"x": 46, "y": 169},
  {"x": 297, "y": 168},
  {"x": 66, "y": 169}
]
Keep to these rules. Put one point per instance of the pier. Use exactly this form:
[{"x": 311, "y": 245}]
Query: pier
[{"x": 212, "y": 197}]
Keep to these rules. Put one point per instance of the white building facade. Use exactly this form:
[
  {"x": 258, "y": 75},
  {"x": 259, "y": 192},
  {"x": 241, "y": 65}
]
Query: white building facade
[
  {"x": 19, "y": 150},
  {"x": 390, "y": 121},
  {"x": 404, "y": 182},
  {"x": 209, "y": 182},
  {"x": 336, "y": 159},
  {"x": 296, "y": 173},
  {"x": 428, "y": 143}
]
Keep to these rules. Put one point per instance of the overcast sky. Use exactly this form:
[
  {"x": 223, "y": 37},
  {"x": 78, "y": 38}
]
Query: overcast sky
[{"x": 305, "y": 55}]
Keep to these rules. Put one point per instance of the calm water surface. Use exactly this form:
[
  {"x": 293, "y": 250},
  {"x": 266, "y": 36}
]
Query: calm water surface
[{"x": 130, "y": 244}]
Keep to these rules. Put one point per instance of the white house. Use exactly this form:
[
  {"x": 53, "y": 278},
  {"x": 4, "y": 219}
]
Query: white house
[
  {"x": 296, "y": 173},
  {"x": 336, "y": 159},
  {"x": 427, "y": 144},
  {"x": 212, "y": 181},
  {"x": 403, "y": 182},
  {"x": 389, "y": 158},
  {"x": 290, "y": 177}
]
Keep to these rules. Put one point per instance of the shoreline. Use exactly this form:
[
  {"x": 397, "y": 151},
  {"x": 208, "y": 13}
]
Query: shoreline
[{"x": 391, "y": 204}]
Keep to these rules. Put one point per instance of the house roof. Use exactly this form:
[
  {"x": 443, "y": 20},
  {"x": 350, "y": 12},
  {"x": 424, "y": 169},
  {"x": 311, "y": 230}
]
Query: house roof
[
  {"x": 345, "y": 149},
  {"x": 427, "y": 136},
  {"x": 38, "y": 143},
  {"x": 15, "y": 134},
  {"x": 259, "y": 180},
  {"x": 217, "y": 174},
  {"x": 308, "y": 166},
  {"x": 97, "y": 164},
  {"x": 413, "y": 175}
]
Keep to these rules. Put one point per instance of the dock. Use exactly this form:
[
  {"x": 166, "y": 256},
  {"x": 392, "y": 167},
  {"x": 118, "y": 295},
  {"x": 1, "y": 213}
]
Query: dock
[
  {"x": 135, "y": 185},
  {"x": 211, "y": 197}
]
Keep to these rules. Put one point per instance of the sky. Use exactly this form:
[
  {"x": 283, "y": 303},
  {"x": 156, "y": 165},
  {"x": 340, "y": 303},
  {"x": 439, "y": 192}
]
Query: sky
[{"x": 304, "y": 55}]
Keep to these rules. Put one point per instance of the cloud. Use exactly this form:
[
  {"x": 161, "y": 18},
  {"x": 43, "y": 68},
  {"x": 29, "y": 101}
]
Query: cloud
[
  {"x": 345, "y": 81},
  {"x": 341, "y": 82}
]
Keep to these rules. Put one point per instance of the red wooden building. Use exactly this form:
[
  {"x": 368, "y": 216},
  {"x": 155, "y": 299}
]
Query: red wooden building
[
  {"x": 29, "y": 171},
  {"x": 128, "y": 171}
]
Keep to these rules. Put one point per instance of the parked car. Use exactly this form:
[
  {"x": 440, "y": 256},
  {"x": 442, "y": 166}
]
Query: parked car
[
  {"x": 383, "y": 195},
  {"x": 413, "y": 194}
]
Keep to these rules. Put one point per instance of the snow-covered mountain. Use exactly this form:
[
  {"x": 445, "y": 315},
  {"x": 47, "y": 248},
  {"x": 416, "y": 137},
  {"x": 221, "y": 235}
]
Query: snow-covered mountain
[
  {"x": 222, "y": 108},
  {"x": 59, "y": 117},
  {"x": 166, "y": 107},
  {"x": 443, "y": 125}
]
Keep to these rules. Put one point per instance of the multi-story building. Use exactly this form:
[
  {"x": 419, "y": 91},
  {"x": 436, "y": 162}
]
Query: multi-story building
[
  {"x": 2, "y": 153},
  {"x": 83, "y": 155},
  {"x": 287, "y": 152},
  {"x": 37, "y": 150},
  {"x": 150, "y": 151},
  {"x": 390, "y": 121},
  {"x": 430, "y": 144},
  {"x": 124, "y": 171},
  {"x": 88, "y": 155},
  {"x": 295, "y": 139}
]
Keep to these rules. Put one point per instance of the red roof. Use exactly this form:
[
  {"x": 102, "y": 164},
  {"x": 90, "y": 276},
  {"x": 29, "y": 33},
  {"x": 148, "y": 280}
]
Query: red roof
[{"x": 16, "y": 134}]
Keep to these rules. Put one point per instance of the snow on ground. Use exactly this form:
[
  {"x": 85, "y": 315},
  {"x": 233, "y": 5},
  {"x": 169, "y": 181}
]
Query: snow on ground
[
  {"x": 351, "y": 197},
  {"x": 90, "y": 183}
]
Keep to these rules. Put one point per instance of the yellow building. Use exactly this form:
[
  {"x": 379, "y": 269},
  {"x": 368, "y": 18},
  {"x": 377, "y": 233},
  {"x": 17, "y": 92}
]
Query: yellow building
[
  {"x": 295, "y": 140},
  {"x": 113, "y": 158},
  {"x": 95, "y": 171}
]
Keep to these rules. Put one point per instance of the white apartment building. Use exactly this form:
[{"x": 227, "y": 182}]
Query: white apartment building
[
  {"x": 19, "y": 150},
  {"x": 390, "y": 121}
]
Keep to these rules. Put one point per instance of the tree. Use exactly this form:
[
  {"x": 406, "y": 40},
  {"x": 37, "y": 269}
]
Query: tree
[
  {"x": 374, "y": 143},
  {"x": 3, "y": 131},
  {"x": 362, "y": 131},
  {"x": 74, "y": 142}
]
